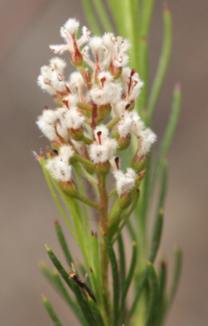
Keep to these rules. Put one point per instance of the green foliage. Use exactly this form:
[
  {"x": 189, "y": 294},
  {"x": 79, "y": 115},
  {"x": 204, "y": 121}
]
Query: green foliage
[{"x": 95, "y": 299}]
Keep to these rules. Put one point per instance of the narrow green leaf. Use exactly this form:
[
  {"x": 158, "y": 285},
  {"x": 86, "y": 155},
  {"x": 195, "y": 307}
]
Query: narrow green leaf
[
  {"x": 176, "y": 275},
  {"x": 147, "y": 10},
  {"x": 122, "y": 258},
  {"x": 157, "y": 232},
  {"x": 116, "y": 283},
  {"x": 91, "y": 19},
  {"x": 142, "y": 281},
  {"x": 128, "y": 280},
  {"x": 55, "y": 280},
  {"x": 162, "y": 279},
  {"x": 131, "y": 231},
  {"x": 103, "y": 15},
  {"x": 63, "y": 243},
  {"x": 55, "y": 197},
  {"x": 172, "y": 123},
  {"x": 153, "y": 300},
  {"x": 163, "y": 62},
  {"x": 143, "y": 62},
  {"x": 51, "y": 312},
  {"x": 117, "y": 14},
  {"x": 81, "y": 299}
]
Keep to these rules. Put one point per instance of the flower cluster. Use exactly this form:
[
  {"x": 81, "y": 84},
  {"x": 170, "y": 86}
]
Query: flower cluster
[{"x": 94, "y": 119}]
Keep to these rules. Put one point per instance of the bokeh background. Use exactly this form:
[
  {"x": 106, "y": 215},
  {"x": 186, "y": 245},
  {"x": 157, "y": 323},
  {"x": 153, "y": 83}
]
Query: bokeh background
[{"x": 26, "y": 209}]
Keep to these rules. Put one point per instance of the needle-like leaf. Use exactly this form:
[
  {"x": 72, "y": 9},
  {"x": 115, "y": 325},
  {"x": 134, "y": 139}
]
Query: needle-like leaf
[
  {"x": 51, "y": 312},
  {"x": 163, "y": 62},
  {"x": 63, "y": 243},
  {"x": 92, "y": 21},
  {"x": 116, "y": 283}
]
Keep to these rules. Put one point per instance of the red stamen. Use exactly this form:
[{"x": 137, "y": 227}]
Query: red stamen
[
  {"x": 130, "y": 80},
  {"x": 117, "y": 162},
  {"x": 99, "y": 135}
]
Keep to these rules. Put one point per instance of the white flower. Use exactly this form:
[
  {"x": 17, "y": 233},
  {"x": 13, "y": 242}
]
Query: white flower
[
  {"x": 58, "y": 64},
  {"x": 65, "y": 153},
  {"x": 104, "y": 148},
  {"x": 59, "y": 169},
  {"x": 51, "y": 77},
  {"x": 96, "y": 45},
  {"x": 46, "y": 124},
  {"x": 73, "y": 118},
  {"x": 51, "y": 124},
  {"x": 70, "y": 100},
  {"x": 77, "y": 85},
  {"x": 104, "y": 77},
  {"x": 101, "y": 133},
  {"x": 132, "y": 83},
  {"x": 130, "y": 123},
  {"x": 124, "y": 181},
  {"x": 70, "y": 27},
  {"x": 117, "y": 49},
  {"x": 119, "y": 107},
  {"x": 100, "y": 153},
  {"x": 147, "y": 139},
  {"x": 69, "y": 33},
  {"x": 108, "y": 93},
  {"x": 59, "y": 166},
  {"x": 85, "y": 37}
]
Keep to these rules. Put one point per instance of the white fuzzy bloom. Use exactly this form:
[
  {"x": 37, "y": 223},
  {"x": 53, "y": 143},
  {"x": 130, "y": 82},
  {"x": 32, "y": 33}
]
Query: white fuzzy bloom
[
  {"x": 101, "y": 133},
  {"x": 73, "y": 118},
  {"x": 119, "y": 107},
  {"x": 125, "y": 182},
  {"x": 46, "y": 123},
  {"x": 104, "y": 147},
  {"x": 100, "y": 153},
  {"x": 121, "y": 47},
  {"x": 117, "y": 49},
  {"x": 70, "y": 27},
  {"x": 65, "y": 153},
  {"x": 104, "y": 77},
  {"x": 69, "y": 33},
  {"x": 59, "y": 166},
  {"x": 51, "y": 78},
  {"x": 70, "y": 100},
  {"x": 130, "y": 123},
  {"x": 52, "y": 125},
  {"x": 85, "y": 37},
  {"x": 59, "y": 169},
  {"x": 58, "y": 64},
  {"x": 60, "y": 125},
  {"x": 108, "y": 94},
  {"x": 147, "y": 139},
  {"x": 96, "y": 45},
  {"x": 76, "y": 81},
  {"x": 132, "y": 83}
]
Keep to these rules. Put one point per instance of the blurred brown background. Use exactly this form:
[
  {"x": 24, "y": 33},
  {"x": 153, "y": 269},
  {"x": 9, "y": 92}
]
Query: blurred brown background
[{"x": 27, "y": 211}]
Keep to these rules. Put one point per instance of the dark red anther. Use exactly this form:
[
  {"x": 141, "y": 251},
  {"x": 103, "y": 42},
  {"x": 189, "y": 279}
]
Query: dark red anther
[
  {"x": 66, "y": 103},
  {"x": 133, "y": 71},
  {"x": 117, "y": 162},
  {"x": 99, "y": 135},
  {"x": 103, "y": 80}
]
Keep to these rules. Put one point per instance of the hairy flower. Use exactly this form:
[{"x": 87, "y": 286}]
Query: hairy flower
[
  {"x": 101, "y": 90},
  {"x": 59, "y": 166},
  {"x": 125, "y": 182}
]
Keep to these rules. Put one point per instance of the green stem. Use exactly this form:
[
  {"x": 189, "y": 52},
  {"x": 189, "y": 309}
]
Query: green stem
[{"x": 103, "y": 225}]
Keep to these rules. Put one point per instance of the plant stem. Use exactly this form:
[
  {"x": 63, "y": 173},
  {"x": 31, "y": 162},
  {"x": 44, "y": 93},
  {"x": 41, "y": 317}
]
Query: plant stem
[{"x": 103, "y": 227}]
